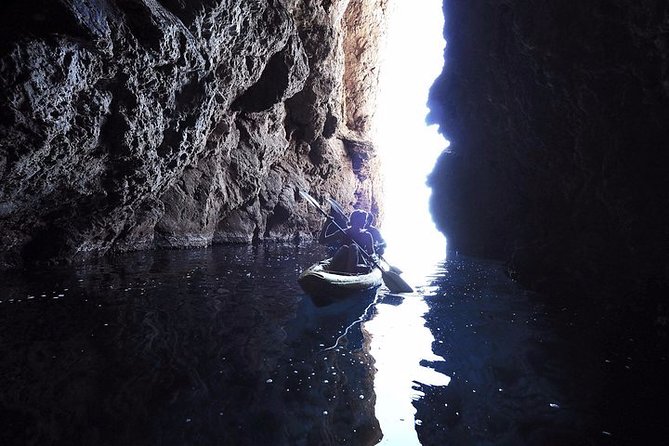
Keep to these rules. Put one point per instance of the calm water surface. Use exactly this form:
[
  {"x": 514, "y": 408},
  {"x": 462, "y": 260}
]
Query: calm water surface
[{"x": 221, "y": 347}]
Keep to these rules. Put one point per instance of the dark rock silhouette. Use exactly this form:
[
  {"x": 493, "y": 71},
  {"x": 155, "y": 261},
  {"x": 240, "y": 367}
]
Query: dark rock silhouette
[
  {"x": 557, "y": 115},
  {"x": 557, "y": 119}
]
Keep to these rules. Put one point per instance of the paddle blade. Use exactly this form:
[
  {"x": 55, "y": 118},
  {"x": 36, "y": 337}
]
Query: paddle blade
[
  {"x": 395, "y": 269},
  {"x": 395, "y": 283},
  {"x": 392, "y": 268},
  {"x": 337, "y": 207}
]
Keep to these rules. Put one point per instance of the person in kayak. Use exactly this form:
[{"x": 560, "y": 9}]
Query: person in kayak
[
  {"x": 348, "y": 257},
  {"x": 379, "y": 242}
]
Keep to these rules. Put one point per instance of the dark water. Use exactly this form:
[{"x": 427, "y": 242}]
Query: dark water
[{"x": 221, "y": 347}]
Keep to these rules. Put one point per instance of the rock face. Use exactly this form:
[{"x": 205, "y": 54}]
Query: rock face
[
  {"x": 557, "y": 113},
  {"x": 131, "y": 124}
]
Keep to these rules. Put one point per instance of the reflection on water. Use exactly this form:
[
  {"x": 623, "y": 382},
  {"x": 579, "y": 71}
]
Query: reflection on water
[
  {"x": 183, "y": 347},
  {"x": 221, "y": 347},
  {"x": 400, "y": 342}
]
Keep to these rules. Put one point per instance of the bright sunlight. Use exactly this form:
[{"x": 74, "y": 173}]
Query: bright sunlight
[{"x": 411, "y": 61}]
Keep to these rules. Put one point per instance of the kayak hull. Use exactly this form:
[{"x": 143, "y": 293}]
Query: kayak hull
[{"x": 318, "y": 282}]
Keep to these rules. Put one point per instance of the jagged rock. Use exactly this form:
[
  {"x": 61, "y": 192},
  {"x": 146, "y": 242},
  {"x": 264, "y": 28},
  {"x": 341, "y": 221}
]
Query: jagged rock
[{"x": 134, "y": 124}]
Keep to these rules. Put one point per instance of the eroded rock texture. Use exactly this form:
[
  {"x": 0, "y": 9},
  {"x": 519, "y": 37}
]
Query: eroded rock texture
[
  {"x": 129, "y": 124},
  {"x": 558, "y": 117}
]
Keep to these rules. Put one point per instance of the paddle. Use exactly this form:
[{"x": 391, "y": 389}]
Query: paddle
[
  {"x": 337, "y": 207},
  {"x": 391, "y": 279}
]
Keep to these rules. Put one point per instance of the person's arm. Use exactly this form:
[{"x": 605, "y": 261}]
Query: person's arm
[{"x": 379, "y": 242}]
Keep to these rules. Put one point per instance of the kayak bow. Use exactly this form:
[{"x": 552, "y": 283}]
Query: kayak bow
[{"x": 319, "y": 282}]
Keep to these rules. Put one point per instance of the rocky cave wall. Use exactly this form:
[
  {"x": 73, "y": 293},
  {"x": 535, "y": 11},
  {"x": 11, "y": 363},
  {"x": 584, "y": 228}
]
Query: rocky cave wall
[
  {"x": 558, "y": 117},
  {"x": 131, "y": 124}
]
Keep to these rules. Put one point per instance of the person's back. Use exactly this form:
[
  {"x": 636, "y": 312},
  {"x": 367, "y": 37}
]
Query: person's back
[
  {"x": 355, "y": 238},
  {"x": 379, "y": 242},
  {"x": 363, "y": 238}
]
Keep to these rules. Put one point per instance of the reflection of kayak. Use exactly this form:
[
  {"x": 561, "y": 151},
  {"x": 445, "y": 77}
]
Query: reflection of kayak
[{"x": 319, "y": 282}]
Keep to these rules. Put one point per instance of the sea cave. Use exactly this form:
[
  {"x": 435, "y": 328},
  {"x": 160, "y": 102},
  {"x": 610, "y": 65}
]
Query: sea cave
[{"x": 164, "y": 170}]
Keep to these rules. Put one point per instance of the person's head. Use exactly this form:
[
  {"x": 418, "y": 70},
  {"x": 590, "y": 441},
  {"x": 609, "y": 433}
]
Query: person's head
[
  {"x": 370, "y": 220},
  {"x": 358, "y": 219}
]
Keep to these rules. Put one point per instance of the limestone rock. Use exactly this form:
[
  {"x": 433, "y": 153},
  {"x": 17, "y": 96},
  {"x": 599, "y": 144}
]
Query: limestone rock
[{"x": 135, "y": 124}]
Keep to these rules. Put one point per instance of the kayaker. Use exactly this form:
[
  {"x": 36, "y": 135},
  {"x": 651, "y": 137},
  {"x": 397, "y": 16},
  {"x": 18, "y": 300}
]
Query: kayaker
[
  {"x": 379, "y": 242},
  {"x": 348, "y": 257}
]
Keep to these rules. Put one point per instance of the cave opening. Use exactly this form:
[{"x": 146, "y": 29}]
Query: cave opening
[{"x": 412, "y": 58}]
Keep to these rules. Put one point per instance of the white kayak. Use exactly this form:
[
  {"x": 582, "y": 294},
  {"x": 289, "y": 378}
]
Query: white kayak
[{"x": 318, "y": 281}]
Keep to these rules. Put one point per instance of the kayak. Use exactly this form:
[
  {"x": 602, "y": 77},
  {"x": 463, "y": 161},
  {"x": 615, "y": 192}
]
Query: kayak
[{"x": 317, "y": 281}]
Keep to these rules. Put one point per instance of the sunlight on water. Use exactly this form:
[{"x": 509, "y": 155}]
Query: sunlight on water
[
  {"x": 399, "y": 342},
  {"x": 413, "y": 58},
  {"x": 398, "y": 338}
]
